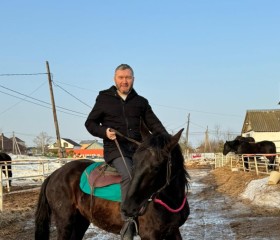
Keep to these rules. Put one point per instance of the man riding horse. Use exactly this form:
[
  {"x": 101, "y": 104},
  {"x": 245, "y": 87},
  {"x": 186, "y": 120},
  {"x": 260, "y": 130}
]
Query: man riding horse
[{"x": 122, "y": 109}]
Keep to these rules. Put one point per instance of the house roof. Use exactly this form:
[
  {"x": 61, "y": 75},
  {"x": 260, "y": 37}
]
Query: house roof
[
  {"x": 262, "y": 121},
  {"x": 95, "y": 145},
  {"x": 71, "y": 142},
  {"x": 8, "y": 144},
  {"x": 86, "y": 142}
]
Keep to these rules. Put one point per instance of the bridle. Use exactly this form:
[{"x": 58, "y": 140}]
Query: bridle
[{"x": 119, "y": 148}]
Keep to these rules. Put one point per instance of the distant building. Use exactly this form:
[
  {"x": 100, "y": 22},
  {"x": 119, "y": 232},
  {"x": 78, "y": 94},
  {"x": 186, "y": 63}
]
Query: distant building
[
  {"x": 66, "y": 143},
  {"x": 85, "y": 143},
  {"x": 86, "y": 148},
  {"x": 89, "y": 149},
  {"x": 263, "y": 125},
  {"x": 12, "y": 145}
]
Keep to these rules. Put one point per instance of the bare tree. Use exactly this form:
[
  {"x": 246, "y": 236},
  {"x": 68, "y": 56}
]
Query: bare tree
[
  {"x": 217, "y": 132},
  {"x": 184, "y": 146},
  {"x": 229, "y": 135},
  {"x": 42, "y": 140}
]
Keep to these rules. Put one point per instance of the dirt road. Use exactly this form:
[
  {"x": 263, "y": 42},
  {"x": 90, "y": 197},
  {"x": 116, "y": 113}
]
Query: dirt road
[{"x": 215, "y": 215}]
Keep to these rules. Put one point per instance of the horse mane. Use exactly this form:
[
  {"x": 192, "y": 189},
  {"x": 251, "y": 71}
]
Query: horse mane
[{"x": 159, "y": 142}]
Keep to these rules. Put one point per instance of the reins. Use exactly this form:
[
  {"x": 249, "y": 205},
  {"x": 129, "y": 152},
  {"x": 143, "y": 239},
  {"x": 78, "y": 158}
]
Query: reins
[
  {"x": 119, "y": 148},
  {"x": 156, "y": 200},
  {"x": 127, "y": 138}
]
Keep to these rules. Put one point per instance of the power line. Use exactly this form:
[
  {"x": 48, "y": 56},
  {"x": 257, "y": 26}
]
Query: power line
[
  {"x": 23, "y": 99},
  {"x": 71, "y": 95},
  {"x": 75, "y": 86},
  {"x": 191, "y": 110},
  {"x": 20, "y": 74},
  {"x": 37, "y": 100},
  {"x": 9, "y": 108}
]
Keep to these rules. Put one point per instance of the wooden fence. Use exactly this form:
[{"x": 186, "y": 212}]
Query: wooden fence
[
  {"x": 27, "y": 172},
  {"x": 30, "y": 172},
  {"x": 257, "y": 163}
]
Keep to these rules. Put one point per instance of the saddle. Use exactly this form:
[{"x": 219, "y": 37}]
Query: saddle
[{"x": 103, "y": 175}]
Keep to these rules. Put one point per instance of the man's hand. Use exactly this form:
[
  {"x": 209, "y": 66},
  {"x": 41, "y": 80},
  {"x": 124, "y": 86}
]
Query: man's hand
[{"x": 110, "y": 134}]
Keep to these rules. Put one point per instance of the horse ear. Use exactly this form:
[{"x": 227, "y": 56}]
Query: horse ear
[
  {"x": 175, "y": 139},
  {"x": 145, "y": 132}
]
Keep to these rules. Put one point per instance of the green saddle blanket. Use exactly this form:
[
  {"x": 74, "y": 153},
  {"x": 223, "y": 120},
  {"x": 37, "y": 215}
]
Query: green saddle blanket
[{"x": 111, "y": 192}]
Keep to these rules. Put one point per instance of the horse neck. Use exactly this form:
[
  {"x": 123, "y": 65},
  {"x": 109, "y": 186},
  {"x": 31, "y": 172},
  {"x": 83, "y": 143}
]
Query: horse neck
[{"x": 174, "y": 192}]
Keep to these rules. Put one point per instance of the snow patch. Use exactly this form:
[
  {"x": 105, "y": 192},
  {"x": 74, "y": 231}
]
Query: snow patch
[{"x": 260, "y": 193}]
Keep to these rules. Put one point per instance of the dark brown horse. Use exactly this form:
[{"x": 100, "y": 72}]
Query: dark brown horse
[
  {"x": 245, "y": 139},
  {"x": 241, "y": 147},
  {"x": 4, "y": 157},
  {"x": 159, "y": 174}
]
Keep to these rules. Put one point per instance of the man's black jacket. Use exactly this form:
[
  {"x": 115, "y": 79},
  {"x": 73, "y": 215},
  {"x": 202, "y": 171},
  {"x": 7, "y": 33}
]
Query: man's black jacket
[{"x": 111, "y": 111}]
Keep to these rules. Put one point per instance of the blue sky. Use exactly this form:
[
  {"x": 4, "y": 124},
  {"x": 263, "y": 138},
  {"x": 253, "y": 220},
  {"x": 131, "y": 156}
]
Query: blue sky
[{"x": 212, "y": 59}]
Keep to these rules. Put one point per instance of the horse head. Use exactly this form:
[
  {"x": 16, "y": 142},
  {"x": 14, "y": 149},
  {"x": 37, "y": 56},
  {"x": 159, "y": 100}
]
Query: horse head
[
  {"x": 227, "y": 148},
  {"x": 153, "y": 161},
  {"x": 231, "y": 146}
]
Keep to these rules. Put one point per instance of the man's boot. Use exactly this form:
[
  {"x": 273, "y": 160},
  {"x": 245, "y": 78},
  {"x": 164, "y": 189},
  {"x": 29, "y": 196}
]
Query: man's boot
[{"x": 128, "y": 230}]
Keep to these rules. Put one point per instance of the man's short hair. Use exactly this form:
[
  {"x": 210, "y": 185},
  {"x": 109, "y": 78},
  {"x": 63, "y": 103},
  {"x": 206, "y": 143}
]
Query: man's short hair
[{"x": 124, "y": 67}]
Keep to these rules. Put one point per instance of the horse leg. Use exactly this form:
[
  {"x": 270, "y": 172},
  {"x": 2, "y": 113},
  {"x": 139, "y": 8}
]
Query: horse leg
[
  {"x": 80, "y": 227},
  {"x": 10, "y": 174},
  {"x": 150, "y": 232},
  {"x": 64, "y": 227},
  {"x": 155, "y": 235},
  {"x": 64, "y": 222},
  {"x": 176, "y": 235},
  {"x": 246, "y": 163},
  {"x": 70, "y": 225},
  {"x": 271, "y": 161}
]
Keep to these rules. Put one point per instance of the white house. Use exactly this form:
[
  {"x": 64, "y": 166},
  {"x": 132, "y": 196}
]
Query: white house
[
  {"x": 263, "y": 125},
  {"x": 66, "y": 143}
]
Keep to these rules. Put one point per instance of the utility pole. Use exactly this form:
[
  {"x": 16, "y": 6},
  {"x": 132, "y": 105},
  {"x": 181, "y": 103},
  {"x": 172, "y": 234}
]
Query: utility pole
[
  {"x": 2, "y": 142},
  {"x": 187, "y": 136},
  {"x": 206, "y": 143},
  {"x": 58, "y": 139},
  {"x": 16, "y": 148}
]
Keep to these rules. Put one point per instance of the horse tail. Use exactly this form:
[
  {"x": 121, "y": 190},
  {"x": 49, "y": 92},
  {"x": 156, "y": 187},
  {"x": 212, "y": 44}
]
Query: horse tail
[{"x": 43, "y": 215}]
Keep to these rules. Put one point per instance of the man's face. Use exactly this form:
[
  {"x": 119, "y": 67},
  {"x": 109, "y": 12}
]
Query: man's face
[{"x": 124, "y": 80}]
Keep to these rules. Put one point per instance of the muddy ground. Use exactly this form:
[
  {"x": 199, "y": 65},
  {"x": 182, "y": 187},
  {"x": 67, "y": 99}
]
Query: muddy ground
[{"x": 17, "y": 219}]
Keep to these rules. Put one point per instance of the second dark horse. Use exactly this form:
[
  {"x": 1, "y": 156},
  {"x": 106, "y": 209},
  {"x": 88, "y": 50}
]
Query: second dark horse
[
  {"x": 4, "y": 157},
  {"x": 241, "y": 147}
]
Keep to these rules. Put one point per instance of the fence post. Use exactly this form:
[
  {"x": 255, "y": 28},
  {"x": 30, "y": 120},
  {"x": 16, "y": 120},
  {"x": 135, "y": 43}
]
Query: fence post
[
  {"x": 243, "y": 164},
  {"x": 43, "y": 170},
  {"x": 256, "y": 165},
  {"x": 7, "y": 175},
  {"x": 1, "y": 190}
]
